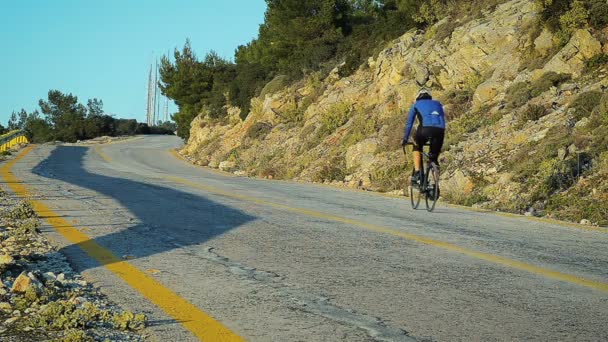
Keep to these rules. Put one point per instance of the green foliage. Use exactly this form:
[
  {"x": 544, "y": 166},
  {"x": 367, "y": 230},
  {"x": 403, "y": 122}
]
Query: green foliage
[
  {"x": 517, "y": 94},
  {"x": 598, "y": 13},
  {"x": 63, "y": 315},
  {"x": 64, "y": 119},
  {"x": 333, "y": 170},
  {"x": 585, "y": 103},
  {"x": 546, "y": 81},
  {"x": 259, "y": 130},
  {"x": 362, "y": 127},
  {"x": 22, "y": 211},
  {"x": 336, "y": 116},
  {"x": 564, "y": 16},
  {"x": 75, "y": 335},
  {"x": 575, "y": 18},
  {"x": 460, "y": 102},
  {"x": 521, "y": 92},
  {"x": 389, "y": 178},
  {"x": 596, "y": 62},
  {"x": 430, "y": 12},
  {"x": 532, "y": 112},
  {"x": 459, "y": 127},
  {"x": 525, "y": 163},
  {"x": 129, "y": 321},
  {"x": 445, "y": 30},
  {"x": 195, "y": 85},
  {"x": 274, "y": 86}
]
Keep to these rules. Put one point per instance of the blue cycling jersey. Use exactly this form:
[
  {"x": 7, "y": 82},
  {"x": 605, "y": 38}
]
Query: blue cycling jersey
[{"x": 429, "y": 113}]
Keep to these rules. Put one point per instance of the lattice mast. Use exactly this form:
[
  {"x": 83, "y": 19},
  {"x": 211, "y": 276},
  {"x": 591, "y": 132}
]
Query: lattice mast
[
  {"x": 156, "y": 99},
  {"x": 150, "y": 105}
]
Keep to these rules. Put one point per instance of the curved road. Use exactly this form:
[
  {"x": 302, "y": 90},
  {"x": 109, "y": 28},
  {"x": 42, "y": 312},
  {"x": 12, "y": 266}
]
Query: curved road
[{"x": 283, "y": 261}]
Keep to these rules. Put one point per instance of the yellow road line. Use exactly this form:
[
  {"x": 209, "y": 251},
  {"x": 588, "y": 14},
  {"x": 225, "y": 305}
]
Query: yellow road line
[
  {"x": 192, "y": 318},
  {"x": 412, "y": 237},
  {"x": 102, "y": 155}
]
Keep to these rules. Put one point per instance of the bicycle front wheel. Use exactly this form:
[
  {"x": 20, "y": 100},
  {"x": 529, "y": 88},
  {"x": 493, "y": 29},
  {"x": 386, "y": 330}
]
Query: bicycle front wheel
[
  {"x": 431, "y": 187},
  {"x": 415, "y": 194}
]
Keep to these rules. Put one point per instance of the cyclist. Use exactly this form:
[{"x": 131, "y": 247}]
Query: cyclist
[{"x": 431, "y": 127}]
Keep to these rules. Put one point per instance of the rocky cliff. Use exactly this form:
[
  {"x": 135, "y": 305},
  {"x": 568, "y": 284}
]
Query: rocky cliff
[{"x": 526, "y": 118}]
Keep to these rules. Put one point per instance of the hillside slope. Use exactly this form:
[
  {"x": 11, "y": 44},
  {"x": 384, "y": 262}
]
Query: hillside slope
[{"x": 528, "y": 122}]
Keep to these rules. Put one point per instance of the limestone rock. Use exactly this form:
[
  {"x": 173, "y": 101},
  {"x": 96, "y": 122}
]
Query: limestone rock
[
  {"x": 361, "y": 154},
  {"x": 571, "y": 59},
  {"x": 22, "y": 283},
  {"x": 227, "y": 165},
  {"x": 457, "y": 187},
  {"x": 6, "y": 259}
]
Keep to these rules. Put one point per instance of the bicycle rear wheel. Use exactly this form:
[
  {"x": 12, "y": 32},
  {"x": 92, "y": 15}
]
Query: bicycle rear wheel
[
  {"x": 431, "y": 186},
  {"x": 415, "y": 195}
]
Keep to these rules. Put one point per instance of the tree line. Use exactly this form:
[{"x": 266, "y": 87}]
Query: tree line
[
  {"x": 63, "y": 118},
  {"x": 299, "y": 37}
]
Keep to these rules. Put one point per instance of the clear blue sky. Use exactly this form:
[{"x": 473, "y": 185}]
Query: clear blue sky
[{"x": 104, "y": 48}]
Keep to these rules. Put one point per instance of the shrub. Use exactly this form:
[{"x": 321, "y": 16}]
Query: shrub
[
  {"x": 517, "y": 94},
  {"x": 469, "y": 123},
  {"x": 445, "y": 30},
  {"x": 76, "y": 335},
  {"x": 390, "y": 178},
  {"x": 598, "y": 13},
  {"x": 596, "y": 62},
  {"x": 274, "y": 86},
  {"x": 525, "y": 163},
  {"x": 259, "y": 130},
  {"x": 430, "y": 12},
  {"x": 361, "y": 128},
  {"x": 546, "y": 81},
  {"x": 601, "y": 111},
  {"x": 336, "y": 116},
  {"x": 460, "y": 102},
  {"x": 22, "y": 211},
  {"x": 333, "y": 170},
  {"x": 532, "y": 113},
  {"x": 585, "y": 103},
  {"x": 575, "y": 18}
]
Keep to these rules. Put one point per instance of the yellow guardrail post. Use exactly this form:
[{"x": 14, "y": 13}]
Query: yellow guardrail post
[{"x": 11, "y": 139}]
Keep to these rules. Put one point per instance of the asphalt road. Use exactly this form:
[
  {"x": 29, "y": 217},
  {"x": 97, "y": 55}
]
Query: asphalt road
[{"x": 284, "y": 261}]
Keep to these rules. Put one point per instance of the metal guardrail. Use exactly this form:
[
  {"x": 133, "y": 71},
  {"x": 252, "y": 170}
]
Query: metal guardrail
[{"x": 11, "y": 139}]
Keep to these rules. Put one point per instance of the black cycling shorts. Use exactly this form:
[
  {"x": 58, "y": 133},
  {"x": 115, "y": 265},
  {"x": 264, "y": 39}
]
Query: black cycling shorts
[{"x": 435, "y": 136}]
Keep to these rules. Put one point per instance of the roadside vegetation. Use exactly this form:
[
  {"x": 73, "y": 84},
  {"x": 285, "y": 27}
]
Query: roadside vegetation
[
  {"x": 62, "y": 118},
  {"x": 298, "y": 39},
  {"x": 41, "y": 297}
]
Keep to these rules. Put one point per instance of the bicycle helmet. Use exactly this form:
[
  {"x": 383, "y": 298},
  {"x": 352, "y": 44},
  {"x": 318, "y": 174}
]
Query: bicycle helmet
[{"x": 424, "y": 94}]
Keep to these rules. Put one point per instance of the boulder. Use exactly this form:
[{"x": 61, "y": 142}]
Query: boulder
[
  {"x": 457, "y": 187},
  {"x": 227, "y": 165},
  {"x": 24, "y": 282}
]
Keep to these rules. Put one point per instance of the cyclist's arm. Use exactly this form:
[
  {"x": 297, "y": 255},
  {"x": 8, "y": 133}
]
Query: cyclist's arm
[{"x": 410, "y": 123}]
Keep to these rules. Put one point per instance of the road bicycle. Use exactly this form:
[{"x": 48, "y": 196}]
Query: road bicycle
[{"x": 428, "y": 183}]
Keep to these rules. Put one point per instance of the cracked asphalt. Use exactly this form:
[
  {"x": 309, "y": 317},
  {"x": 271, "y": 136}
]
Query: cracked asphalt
[{"x": 285, "y": 261}]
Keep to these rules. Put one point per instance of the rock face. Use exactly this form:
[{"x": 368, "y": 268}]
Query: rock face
[
  {"x": 571, "y": 59},
  {"x": 347, "y": 130}
]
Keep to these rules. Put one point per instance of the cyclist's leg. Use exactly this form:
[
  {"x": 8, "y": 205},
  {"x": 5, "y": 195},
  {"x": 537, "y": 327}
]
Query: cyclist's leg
[
  {"x": 419, "y": 140},
  {"x": 436, "y": 136}
]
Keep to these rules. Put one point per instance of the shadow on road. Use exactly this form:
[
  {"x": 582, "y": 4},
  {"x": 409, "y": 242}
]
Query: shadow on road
[{"x": 165, "y": 218}]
